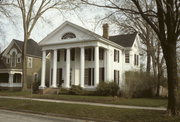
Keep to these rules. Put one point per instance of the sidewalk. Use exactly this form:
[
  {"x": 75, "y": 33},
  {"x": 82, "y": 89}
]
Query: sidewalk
[{"x": 86, "y": 103}]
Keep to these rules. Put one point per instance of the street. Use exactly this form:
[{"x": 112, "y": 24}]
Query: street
[{"x": 12, "y": 116}]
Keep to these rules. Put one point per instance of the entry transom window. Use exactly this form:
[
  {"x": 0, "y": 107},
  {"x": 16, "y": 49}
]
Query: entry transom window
[{"x": 68, "y": 36}]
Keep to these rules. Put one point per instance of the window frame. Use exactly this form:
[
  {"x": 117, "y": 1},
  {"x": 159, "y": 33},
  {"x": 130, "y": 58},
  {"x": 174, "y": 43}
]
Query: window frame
[
  {"x": 31, "y": 62},
  {"x": 127, "y": 57}
]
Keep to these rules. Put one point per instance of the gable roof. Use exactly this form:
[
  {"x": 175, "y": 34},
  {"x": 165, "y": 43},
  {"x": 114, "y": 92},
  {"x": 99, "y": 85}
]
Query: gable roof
[
  {"x": 126, "y": 40},
  {"x": 94, "y": 35},
  {"x": 33, "y": 48}
]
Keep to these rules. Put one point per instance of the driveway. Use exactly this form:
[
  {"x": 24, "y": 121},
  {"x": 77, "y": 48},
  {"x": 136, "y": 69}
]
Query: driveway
[{"x": 12, "y": 116}]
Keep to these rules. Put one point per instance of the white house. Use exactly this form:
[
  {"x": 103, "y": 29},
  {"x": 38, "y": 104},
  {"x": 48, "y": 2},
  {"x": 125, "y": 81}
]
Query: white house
[{"x": 81, "y": 57}]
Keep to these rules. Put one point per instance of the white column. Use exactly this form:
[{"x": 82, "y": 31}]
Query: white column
[
  {"x": 82, "y": 62},
  {"x": 96, "y": 66},
  {"x": 11, "y": 79},
  {"x": 43, "y": 71},
  {"x": 107, "y": 65},
  {"x": 54, "y": 82},
  {"x": 67, "y": 82},
  {"x": 50, "y": 72}
]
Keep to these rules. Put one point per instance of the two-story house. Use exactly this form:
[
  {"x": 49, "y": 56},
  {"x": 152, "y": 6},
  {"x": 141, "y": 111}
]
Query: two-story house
[
  {"x": 81, "y": 57},
  {"x": 11, "y": 64}
]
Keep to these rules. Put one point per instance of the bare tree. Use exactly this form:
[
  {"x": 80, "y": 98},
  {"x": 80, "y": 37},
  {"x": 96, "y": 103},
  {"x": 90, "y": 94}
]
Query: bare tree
[
  {"x": 31, "y": 12},
  {"x": 164, "y": 19}
]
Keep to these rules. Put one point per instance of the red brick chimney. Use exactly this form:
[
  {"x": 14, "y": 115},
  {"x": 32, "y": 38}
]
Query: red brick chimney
[{"x": 106, "y": 31}]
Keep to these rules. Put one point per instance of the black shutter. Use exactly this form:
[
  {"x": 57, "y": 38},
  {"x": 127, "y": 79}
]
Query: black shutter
[
  {"x": 64, "y": 54},
  {"x": 114, "y": 75},
  {"x": 118, "y": 77},
  {"x": 93, "y": 76},
  {"x": 134, "y": 59},
  {"x": 118, "y": 56},
  {"x": 93, "y": 53},
  {"x": 137, "y": 59},
  {"x": 89, "y": 76},
  {"x": 58, "y": 55},
  {"x": 114, "y": 55},
  {"x": 103, "y": 74},
  {"x": 72, "y": 54},
  {"x": 89, "y": 54}
]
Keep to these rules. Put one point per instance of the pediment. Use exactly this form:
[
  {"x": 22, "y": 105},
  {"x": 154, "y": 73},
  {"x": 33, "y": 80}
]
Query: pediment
[{"x": 80, "y": 33}]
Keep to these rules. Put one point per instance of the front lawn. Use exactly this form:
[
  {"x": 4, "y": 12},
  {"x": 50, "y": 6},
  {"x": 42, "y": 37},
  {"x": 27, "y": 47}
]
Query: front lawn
[
  {"x": 148, "y": 102},
  {"x": 88, "y": 111}
]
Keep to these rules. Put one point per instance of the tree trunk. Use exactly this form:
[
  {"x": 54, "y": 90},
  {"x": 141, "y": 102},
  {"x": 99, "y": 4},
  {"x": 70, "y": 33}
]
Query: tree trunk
[
  {"x": 24, "y": 64},
  {"x": 148, "y": 67},
  {"x": 169, "y": 50}
]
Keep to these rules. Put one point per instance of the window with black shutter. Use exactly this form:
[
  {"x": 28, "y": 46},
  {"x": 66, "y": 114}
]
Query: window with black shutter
[
  {"x": 73, "y": 54},
  {"x": 135, "y": 59},
  {"x": 114, "y": 55},
  {"x": 118, "y": 56},
  {"x": 127, "y": 59},
  {"x": 58, "y": 55},
  {"x": 101, "y": 53},
  {"x": 64, "y": 54},
  {"x": 93, "y": 76}
]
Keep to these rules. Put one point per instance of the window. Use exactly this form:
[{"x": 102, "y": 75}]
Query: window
[
  {"x": 13, "y": 59},
  {"x": 73, "y": 54},
  {"x": 116, "y": 76},
  {"x": 19, "y": 60},
  {"x": 136, "y": 60},
  {"x": 127, "y": 60},
  {"x": 29, "y": 63},
  {"x": 58, "y": 55},
  {"x": 116, "y": 55},
  {"x": 89, "y": 76},
  {"x": 101, "y": 53},
  {"x": 64, "y": 54},
  {"x": 7, "y": 60},
  {"x": 88, "y": 54},
  {"x": 101, "y": 74},
  {"x": 68, "y": 36}
]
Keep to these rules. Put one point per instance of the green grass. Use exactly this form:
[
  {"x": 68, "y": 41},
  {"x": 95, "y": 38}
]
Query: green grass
[
  {"x": 94, "y": 112},
  {"x": 148, "y": 102}
]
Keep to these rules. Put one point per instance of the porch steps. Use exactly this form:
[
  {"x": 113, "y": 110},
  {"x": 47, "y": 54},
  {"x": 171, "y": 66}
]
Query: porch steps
[{"x": 49, "y": 91}]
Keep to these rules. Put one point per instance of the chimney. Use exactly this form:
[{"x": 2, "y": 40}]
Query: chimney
[{"x": 106, "y": 31}]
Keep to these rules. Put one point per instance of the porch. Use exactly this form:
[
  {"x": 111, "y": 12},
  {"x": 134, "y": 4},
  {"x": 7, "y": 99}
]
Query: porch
[
  {"x": 85, "y": 66},
  {"x": 10, "y": 79}
]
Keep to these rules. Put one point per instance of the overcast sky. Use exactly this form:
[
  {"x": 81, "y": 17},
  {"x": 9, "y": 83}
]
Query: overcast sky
[{"x": 86, "y": 17}]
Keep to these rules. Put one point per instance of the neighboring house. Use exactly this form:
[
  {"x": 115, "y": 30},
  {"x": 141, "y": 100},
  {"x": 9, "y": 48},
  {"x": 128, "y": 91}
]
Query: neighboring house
[
  {"x": 11, "y": 64},
  {"x": 81, "y": 57}
]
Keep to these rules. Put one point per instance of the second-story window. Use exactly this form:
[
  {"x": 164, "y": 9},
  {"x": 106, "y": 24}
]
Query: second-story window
[
  {"x": 72, "y": 54},
  {"x": 29, "y": 62},
  {"x": 127, "y": 59},
  {"x": 13, "y": 59},
  {"x": 101, "y": 53},
  {"x": 19, "y": 60},
  {"x": 136, "y": 60},
  {"x": 116, "y": 55},
  {"x": 8, "y": 60}
]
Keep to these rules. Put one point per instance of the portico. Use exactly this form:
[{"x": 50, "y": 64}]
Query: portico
[{"x": 78, "y": 65}]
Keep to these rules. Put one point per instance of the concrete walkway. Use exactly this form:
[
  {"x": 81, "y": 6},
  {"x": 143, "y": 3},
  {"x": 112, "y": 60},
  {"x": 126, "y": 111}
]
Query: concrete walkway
[{"x": 86, "y": 103}]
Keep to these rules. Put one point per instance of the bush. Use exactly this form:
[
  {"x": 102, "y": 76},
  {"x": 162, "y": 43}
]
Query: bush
[
  {"x": 35, "y": 86},
  {"x": 63, "y": 91},
  {"x": 139, "y": 84},
  {"x": 107, "y": 89},
  {"x": 75, "y": 90}
]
